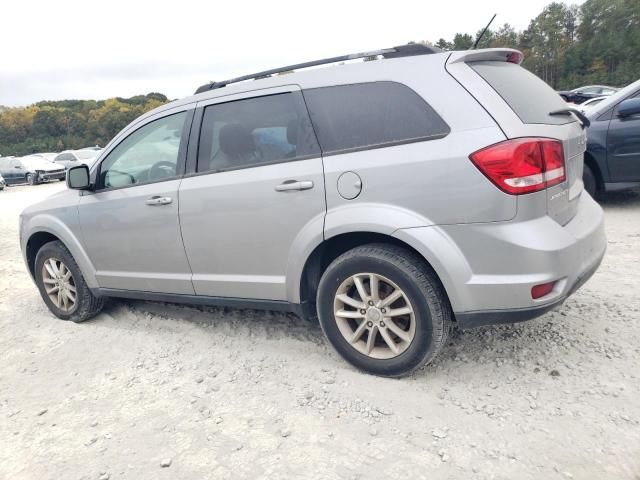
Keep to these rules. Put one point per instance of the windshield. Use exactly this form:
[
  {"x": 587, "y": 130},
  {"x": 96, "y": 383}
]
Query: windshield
[
  {"x": 86, "y": 154},
  {"x": 529, "y": 97}
]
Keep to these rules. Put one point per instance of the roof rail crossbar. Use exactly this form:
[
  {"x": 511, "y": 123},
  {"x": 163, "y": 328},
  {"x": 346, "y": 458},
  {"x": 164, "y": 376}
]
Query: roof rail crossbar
[{"x": 395, "y": 52}]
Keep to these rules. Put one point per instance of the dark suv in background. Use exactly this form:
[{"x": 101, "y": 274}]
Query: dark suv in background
[{"x": 612, "y": 160}]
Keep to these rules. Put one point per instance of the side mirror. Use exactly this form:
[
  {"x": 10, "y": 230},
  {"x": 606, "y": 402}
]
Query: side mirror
[
  {"x": 629, "y": 107},
  {"x": 78, "y": 178}
]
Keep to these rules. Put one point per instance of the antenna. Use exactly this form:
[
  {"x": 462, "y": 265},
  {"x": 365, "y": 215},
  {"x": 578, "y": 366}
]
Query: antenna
[{"x": 483, "y": 32}]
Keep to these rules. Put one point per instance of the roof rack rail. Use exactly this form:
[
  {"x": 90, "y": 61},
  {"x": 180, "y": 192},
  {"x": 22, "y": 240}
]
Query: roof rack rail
[{"x": 408, "y": 50}]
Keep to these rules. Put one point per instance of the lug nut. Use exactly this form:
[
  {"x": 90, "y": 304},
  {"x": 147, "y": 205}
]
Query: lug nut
[
  {"x": 369, "y": 324},
  {"x": 384, "y": 310},
  {"x": 363, "y": 311},
  {"x": 382, "y": 324},
  {"x": 370, "y": 302}
]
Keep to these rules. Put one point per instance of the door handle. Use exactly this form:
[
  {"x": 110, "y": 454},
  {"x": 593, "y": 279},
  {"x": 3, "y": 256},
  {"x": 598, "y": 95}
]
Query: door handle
[
  {"x": 290, "y": 185},
  {"x": 158, "y": 200}
]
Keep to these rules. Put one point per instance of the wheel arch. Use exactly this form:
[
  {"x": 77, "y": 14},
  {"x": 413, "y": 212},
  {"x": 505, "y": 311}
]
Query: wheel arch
[
  {"x": 329, "y": 249},
  {"x": 592, "y": 163},
  {"x": 34, "y": 244},
  {"x": 43, "y": 229}
]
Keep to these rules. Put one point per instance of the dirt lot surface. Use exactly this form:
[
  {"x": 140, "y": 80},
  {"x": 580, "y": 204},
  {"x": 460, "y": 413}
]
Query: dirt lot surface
[{"x": 223, "y": 393}]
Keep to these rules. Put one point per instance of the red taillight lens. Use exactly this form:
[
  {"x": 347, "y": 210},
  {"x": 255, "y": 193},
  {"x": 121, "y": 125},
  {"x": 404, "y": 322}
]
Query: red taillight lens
[
  {"x": 542, "y": 290},
  {"x": 522, "y": 165}
]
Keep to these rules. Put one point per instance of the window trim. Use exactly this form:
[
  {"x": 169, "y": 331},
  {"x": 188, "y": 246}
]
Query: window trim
[
  {"x": 194, "y": 142},
  {"x": 182, "y": 149},
  {"x": 375, "y": 146}
]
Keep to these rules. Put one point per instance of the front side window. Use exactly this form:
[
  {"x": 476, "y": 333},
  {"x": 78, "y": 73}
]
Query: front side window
[
  {"x": 149, "y": 154},
  {"x": 368, "y": 115},
  {"x": 255, "y": 131}
]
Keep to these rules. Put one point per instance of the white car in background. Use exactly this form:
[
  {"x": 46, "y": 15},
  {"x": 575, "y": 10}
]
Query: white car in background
[
  {"x": 46, "y": 155},
  {"x": 72, "y": 158},
  {"x": 584, "y": 107}
]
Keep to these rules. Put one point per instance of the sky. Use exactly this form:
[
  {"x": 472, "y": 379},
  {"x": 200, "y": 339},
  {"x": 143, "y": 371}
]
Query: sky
[{"x": 63, "y": 49}]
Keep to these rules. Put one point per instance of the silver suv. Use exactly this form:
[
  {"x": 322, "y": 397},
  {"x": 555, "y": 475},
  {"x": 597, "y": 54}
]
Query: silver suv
[{"x": 393, "y": 198}]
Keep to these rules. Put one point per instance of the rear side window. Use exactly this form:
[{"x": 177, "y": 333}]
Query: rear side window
[
  {"x": 255, "y": 131},
  {"x": 368, "y": 115},
  {"x": 528, "y": 96}
]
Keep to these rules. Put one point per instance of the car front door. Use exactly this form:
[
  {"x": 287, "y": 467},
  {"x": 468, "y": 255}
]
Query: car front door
[
  {"x": 130, "y": 221},
  {"x": 18, "y": 171},
  {"x": 623, "y": 147},
  {"x": 257, "y": 187}
]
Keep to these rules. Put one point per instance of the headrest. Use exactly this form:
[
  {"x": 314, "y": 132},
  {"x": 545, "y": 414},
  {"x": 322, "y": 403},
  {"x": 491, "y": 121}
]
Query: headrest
[
  {"x": 236, "y": 140},
  {"x": 292, "y": 132}
]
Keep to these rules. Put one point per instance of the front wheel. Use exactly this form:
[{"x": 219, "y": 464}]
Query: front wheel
[
  {"x": 383, "y": 309},
  {"x": 62, "y": 285},
  {"x": 31, "y": 179}
]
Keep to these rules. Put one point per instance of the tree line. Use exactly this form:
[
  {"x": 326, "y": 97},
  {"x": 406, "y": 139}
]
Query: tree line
[
  {"x": 565, "y": 45},
  {"x": 69, "y": 124},
  {"x": 570, "y": 46}
]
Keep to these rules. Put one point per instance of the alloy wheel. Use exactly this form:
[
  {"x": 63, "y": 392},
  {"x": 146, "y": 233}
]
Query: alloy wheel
[
  {"x": 59, "y": 284},
  {"x": 374, "y": 315}
]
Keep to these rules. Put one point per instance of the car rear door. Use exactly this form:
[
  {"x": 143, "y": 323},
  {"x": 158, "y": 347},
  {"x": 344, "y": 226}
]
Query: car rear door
[
  {"x": 521, "y": 104},
  {"x": 255, "y": 193},
  {"x": 130, "y": 222}
]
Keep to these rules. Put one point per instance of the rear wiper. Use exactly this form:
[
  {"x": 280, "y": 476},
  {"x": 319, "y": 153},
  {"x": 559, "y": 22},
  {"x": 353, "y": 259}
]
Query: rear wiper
[{"x": 584, "y": 121}]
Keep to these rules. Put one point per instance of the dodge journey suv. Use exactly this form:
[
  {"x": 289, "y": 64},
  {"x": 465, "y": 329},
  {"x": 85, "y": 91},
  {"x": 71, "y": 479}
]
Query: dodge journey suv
[{"x": 392, "y": 198}]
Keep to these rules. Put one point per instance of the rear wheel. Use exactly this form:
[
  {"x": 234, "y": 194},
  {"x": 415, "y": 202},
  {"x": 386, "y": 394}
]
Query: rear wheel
[
  {"x": 589, "y": 180},
  {"x": 383, "y": 309},
  {"x": 62, "y": 285},
  {"x": 31, "y": 179}
]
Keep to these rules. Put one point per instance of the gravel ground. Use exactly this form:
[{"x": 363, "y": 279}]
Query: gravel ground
[{"x": 171, "y": 392}]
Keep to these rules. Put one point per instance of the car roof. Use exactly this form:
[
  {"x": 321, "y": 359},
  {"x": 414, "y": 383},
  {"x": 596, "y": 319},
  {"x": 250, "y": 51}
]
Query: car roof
[{"x": 333, "y": 74}]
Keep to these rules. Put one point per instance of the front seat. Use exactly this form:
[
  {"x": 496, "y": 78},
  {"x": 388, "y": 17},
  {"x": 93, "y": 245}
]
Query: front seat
[{"x": 237, "y": 148}]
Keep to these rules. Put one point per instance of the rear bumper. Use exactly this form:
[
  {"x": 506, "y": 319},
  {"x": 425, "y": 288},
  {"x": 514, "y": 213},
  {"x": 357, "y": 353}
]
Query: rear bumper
[
  {"x": 489, "y": 269},
  {"x": 468, "y": 320}
]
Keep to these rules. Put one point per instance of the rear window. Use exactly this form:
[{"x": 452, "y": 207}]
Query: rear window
[
  {"x": 528, "y": 96},
  {"x": 368, "y": 115}
]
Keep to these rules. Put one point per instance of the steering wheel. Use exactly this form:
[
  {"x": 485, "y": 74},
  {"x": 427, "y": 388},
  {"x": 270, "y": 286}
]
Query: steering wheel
[{"x": 162, "y": 170}]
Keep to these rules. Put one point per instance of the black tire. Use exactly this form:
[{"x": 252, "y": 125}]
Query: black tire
[
  {"x": 31, "y": 180},
  {"x": 423, "y": 289},
  {"x": 87, "y": 305},
  {"x": 590, "y": 181}
]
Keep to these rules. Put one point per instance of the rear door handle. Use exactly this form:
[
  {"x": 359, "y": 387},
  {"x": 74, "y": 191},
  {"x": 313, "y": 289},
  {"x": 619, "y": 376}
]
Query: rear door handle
[
  {"x": 158, "y": 200},
  {"x": 290, "y": 185}
]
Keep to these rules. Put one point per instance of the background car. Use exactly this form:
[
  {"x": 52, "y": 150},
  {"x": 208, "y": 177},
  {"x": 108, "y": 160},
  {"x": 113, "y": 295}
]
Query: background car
[
  {"x": 2, "y": 183},
  {"x": 72, "y": 158},
  {"x": 612, "y": 159},
  {"x": 585, "y": 106},
  {"x": 31, "y": 169},
  {"x": 582, "y": 94},
  {"x": 46, "y": 155}
]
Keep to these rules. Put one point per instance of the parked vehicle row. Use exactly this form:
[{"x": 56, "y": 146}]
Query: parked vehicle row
[
  {"x": 31, "y": 169},
  {"x": 44, "y": 167},
  {"x": 582, "y": 94},
  {"x": 389, "y": 198}
]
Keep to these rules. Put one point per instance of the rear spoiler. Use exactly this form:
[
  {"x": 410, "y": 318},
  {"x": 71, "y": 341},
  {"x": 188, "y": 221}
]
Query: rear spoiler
[{"x": 487, "y": 54}]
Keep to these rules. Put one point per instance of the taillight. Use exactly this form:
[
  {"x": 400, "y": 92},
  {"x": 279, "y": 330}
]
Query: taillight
[{"x": 522, "y": 165}]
